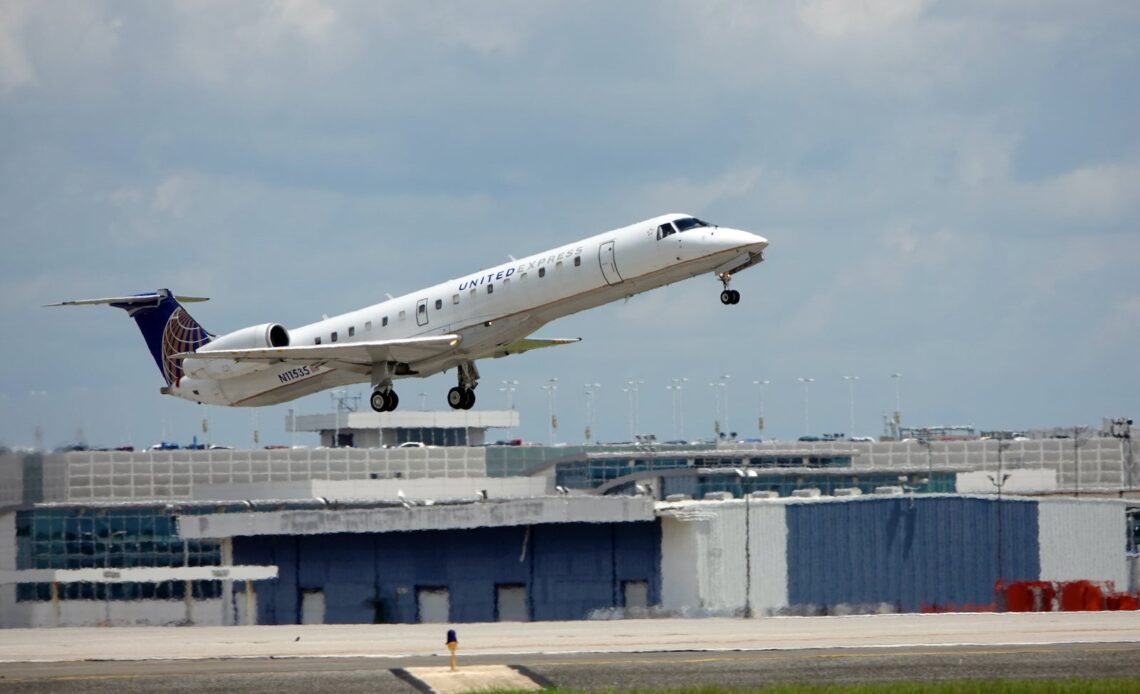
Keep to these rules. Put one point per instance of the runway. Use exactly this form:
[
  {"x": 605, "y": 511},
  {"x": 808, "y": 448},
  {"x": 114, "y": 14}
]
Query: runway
[{"x": 587, "y": 655}]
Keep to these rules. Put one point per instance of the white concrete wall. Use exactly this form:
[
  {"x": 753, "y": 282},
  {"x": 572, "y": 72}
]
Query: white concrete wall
[
  {"x": 703, "y": 562},
  {"x": 436, "y": 488},
  {"x": 7, "y": 563},
  {"x": 1018, "y": 482},
  {"x": 90, "y": 613},
  {"x": 1082, "y": 539}
]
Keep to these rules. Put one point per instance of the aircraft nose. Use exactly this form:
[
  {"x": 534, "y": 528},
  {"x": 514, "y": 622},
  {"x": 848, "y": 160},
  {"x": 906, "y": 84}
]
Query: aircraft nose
[{"x": 738, "y": 238}]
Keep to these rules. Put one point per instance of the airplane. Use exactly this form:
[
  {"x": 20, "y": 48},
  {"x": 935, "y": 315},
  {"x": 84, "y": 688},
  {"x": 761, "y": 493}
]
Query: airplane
[{"x": 486, "y": 314}]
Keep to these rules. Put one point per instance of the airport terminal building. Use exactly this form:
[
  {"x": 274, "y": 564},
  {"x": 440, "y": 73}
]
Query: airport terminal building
[{"x": 515, "y": 533}]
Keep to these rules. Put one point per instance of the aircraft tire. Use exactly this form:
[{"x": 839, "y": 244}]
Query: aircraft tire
[
  {"x": 455, "y": 398},
  {"x": 735, "y": 297},
  {"x": 468, "y": 399},
  {"x": 393, "y": 401},
  {"x": 378, "y": 402},
  {"x": 726, "y": 297}
]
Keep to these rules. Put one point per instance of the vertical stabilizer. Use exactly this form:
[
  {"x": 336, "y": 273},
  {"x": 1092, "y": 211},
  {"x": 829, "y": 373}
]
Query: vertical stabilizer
[{"x": 165, "y": 325}]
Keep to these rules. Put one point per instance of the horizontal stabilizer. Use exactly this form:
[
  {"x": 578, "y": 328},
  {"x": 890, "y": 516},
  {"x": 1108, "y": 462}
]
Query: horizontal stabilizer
[
  {"x": 136, "y": 300},
  {"x": 346, "y": 355},
  {"x": 528, "y": 343}
]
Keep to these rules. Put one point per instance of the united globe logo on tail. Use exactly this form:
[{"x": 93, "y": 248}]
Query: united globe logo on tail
[{"x": 181, "y": 334}]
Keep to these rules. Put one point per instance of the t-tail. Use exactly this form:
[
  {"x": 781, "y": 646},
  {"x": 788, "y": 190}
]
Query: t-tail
[{"x": 167, "y": 328}]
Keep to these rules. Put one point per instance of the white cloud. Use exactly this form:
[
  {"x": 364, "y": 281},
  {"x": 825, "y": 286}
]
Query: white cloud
[
  {"x": 1096, "y": 193},
  {"x": 841, "y": 18},
  {"x": 312, "y": 18},
  {"x": 15, "y": 65}
]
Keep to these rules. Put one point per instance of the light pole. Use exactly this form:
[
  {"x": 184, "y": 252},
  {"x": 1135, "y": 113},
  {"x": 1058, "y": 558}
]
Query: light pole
[
  {"x": 851, "y": 393},
  {"x": 743, "y": 475},
  {"x": 674, "y": 391},
  {"x": 1077, "y": 443},
  {"x": 760, "y": 406},
  {"x": 679, "y": 385},
  {"x": 807, "y": 422},
  {"x": 898, "y": 405},
  {"x": 717, "y": 387},
  {"x": 724, "y": 394},
  {"x": 508, "y": 389},
  {"x": 590, "y": 389},
  {"x": 550, "y": 387},
  {"x": 999, "y": 482},
  {"x": 634, "y": 391}
]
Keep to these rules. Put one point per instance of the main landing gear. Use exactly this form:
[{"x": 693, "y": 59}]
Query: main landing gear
[
  {"x": 384, "y": 400},
  {"x": 728, "y": 296},
  {"x": 462, "y": 396}
]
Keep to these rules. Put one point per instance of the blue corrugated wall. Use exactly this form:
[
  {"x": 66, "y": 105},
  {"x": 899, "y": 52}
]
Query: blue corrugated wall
[
  {"x": 568, "y": 569},
  {"x": 942, "y": 552}
]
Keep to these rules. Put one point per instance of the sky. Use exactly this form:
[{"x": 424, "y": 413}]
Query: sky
[{"x": 951, "y": 192}]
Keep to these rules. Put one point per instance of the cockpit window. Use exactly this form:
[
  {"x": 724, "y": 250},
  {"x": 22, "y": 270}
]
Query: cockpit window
[
  {"x": 665, "y": 230},
  {"x": 686, "y": 223}
]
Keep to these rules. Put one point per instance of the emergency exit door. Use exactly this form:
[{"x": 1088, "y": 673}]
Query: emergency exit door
[{"x": 609, "y": 263}]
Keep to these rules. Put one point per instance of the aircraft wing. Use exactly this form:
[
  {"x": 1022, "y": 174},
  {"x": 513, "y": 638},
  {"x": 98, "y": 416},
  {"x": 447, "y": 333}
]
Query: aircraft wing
[
  {"x": 528, "y": 343},
  {"x": 349, "y": 355}
]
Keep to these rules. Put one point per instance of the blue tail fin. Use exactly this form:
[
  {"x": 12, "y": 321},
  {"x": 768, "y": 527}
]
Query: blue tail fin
[{"x": 167, "y": 328}]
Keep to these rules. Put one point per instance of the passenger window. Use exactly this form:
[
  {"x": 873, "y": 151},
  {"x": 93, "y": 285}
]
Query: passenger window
[
  {"x": 332, "y": 338},
  {"x": 577, "y": 261},
  {"x": 352, "y": 331},
  {"x": 522, "y": 276},
  {"x": 490, "y": 289},
  {"x": 558, "y": 265},
  {"x": 368, "y": 326},
  {"x": 438, "y": 304},
  {"x": 542, "y": 272},
  {"x": 317, "y": 341},
  {"x": 403, "y": 314},
  {"x": 384, "y": 322},
  {"x": 455, "y": 299},
  {"x": 472, "y": 292}
]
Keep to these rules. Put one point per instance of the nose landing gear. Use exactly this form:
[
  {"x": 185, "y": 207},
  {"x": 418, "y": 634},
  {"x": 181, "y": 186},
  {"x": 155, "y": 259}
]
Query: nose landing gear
[{"x": 728, "y": 296}]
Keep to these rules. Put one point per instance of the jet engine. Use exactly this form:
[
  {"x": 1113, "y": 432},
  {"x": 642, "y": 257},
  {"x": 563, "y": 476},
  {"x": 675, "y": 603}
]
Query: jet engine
[{"x": 264, "y": 336}]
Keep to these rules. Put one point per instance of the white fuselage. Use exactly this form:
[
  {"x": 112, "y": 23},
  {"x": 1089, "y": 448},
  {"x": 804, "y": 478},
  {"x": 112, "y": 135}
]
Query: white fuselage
[{"x": 493, "y": 307}]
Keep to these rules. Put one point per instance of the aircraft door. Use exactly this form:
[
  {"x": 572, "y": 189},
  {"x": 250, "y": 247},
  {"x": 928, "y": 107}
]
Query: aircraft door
[
  {"x": 422, "y": 312},
  {"x": 609, "y": 263}
]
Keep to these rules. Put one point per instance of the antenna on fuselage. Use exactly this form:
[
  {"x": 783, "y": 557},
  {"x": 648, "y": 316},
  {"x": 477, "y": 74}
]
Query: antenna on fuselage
[
  {"x": 513, "y": 259},
  {"x": 390, "y": 297}
]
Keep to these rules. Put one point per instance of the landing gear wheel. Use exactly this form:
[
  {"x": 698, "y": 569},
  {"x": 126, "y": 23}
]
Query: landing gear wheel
[
  {"x": 468, "y": 399},
  {"x": 455, "y": 398},
  {"x": 735, "y": 296},
  {"x": 384, "y": 400},
  {"x": 726, "y": 297}
]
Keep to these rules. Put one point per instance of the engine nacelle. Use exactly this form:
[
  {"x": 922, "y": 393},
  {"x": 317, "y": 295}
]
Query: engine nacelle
[
  {"x": 263, "y": 336},
  {"x": 253, "y": 337}
]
